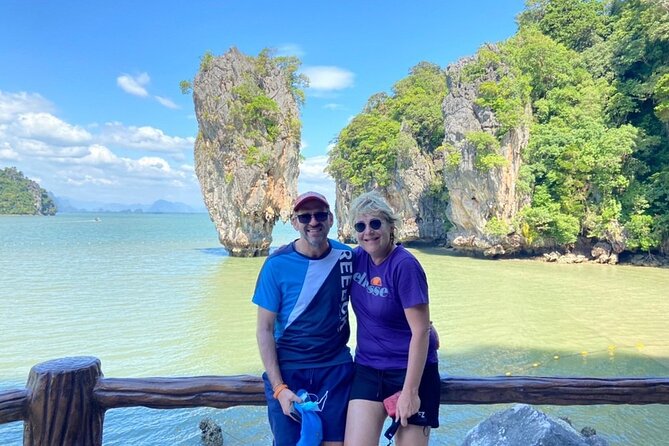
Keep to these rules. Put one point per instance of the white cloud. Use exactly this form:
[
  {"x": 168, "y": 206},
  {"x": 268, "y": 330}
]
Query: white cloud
[
  {"x": 98, "y": 155},
  {"x": 328, "y": 78},
  {"x": 108, "y": 162},
  {"x": 134, "y": 85},
  {"x": 14, "y": 104},
  {"x": 48, "y": 128},
  {"x": 144, "y": 138},
  {"x": 152, "y": 163},
  {"x": 166, "y": 102},
  {"x": 33, "y": 148},
  {"x": 290, "y": 49},
  {"x": 7, "y": 153},
  {"x": 313, "y": 177},
  {"x": 314, "y": 167},
  {"x": 332, "y": 106},
  {"x": 88, "y": 179}
]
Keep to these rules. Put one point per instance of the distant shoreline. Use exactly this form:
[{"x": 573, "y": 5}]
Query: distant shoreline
[{"x": 625, "y": 258}]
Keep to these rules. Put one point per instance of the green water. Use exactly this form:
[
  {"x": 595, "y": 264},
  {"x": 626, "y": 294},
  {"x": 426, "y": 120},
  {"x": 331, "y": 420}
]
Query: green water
[{"x": 155, "y": 295}]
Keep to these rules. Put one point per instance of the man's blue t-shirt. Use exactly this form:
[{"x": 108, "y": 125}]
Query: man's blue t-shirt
[{"x": 310, "y": 297}]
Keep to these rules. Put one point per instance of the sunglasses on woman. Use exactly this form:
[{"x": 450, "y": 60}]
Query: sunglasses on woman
[
  {"x": 306, "y": 218},
  {"x": 374, "y": 224}
]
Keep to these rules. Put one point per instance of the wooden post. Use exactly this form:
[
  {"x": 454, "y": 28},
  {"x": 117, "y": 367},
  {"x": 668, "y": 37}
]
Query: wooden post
[{"x": 61, "y": 409}]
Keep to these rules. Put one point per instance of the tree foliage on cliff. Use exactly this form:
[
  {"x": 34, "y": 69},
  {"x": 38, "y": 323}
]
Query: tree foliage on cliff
[
  {"x": 366, "y": 150},
  {"x": 258, "y": 114},
  {"x": 22, "y": 196},
  {"x": 598, "y": 80},
  {"x": 596, "y": 73}
]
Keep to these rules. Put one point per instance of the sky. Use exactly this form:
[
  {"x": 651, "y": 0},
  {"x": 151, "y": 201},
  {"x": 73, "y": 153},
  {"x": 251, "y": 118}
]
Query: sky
[{"x": 90, "y": 105}]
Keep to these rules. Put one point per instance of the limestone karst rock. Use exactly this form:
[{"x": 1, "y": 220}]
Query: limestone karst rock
[
  {"x": 247, "y": 148},
  {"x": 523, "y": 425},
  {"x": 23, "y": 196},
  {"x": 479, "y": 195},
  {"x": 411, "y": 193},
  {"x": 393, "y": 146}
]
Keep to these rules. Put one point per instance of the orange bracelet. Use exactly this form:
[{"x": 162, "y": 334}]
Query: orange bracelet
[{"x": 278, "y": 389}]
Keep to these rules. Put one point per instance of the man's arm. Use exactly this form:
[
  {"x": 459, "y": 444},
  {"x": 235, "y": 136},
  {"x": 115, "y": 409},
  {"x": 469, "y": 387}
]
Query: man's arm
[{"x": 267, "y": 347}]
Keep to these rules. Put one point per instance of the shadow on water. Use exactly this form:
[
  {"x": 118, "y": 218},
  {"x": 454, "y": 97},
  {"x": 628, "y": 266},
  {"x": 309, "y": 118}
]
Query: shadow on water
[{"x": 219, "y": 252}]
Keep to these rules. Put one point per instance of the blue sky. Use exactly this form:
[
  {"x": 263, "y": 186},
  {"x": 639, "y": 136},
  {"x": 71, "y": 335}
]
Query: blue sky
[{"x": 90, "y": 104}]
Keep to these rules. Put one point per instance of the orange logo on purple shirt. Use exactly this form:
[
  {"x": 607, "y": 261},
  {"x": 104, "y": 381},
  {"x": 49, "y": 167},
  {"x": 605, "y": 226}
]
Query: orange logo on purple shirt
[{"x": 372, "y": 286}]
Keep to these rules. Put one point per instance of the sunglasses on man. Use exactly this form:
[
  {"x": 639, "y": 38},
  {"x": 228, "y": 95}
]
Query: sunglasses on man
[
  {"x": 375, "y": 224},
  {"x": 319, "y": 216}
]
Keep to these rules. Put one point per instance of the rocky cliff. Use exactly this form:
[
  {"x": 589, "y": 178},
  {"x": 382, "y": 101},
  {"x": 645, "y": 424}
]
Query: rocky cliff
[
  {"x": 464, "y": 192},
  {"x": 22, "y": 196},
  {"x": 393, "y": 146},
  {"x": 416, "y": 193},
  {"x": 482, "y": 169},
  {"x": 247, "y": 148}
]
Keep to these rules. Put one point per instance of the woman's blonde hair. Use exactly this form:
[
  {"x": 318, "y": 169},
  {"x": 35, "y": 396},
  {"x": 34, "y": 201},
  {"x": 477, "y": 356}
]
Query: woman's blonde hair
[{"x": 371, "y": 203}]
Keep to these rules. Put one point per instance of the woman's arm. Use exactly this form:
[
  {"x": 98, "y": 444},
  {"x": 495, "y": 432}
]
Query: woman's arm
[{"x": 418, "y": 317}]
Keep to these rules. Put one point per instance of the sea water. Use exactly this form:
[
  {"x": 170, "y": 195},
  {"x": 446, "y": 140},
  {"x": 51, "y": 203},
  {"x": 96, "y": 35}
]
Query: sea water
[{"x": 156, "y": 295}]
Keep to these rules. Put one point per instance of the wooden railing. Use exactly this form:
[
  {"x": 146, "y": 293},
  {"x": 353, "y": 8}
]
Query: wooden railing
[{"x": 65, "y": 400}]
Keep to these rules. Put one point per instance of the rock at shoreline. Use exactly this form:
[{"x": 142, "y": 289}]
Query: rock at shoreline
[
  {"x": 482, "y": 201},
  {"x": 522, "y": 425},
  {"x": 247, "y": 152},
  {"x": 211, "y": 435},
  {"x": 22, "y": 196}
]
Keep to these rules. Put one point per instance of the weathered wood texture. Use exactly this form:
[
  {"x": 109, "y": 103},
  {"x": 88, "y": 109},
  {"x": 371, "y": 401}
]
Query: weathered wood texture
[
  {"x": 246, "y": 390},
  {"x": 65, "y": 399},
  {"x": 61, "y": 409},
  {"x": 559, "y": 391},
  {"x": 166, "y": 393},
  {"x": 13, "y": 405}
]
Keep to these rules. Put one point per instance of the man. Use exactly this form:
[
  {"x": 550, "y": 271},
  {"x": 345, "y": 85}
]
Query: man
[{"x": 302, "y": 295}]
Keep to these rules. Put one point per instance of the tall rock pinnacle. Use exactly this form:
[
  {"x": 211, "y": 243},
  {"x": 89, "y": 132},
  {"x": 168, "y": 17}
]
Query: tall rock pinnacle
[{"x": 247, "y": 148}]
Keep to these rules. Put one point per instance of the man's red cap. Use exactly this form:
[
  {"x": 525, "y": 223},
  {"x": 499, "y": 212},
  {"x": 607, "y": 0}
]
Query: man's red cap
[{"x": 309, "y": 196}]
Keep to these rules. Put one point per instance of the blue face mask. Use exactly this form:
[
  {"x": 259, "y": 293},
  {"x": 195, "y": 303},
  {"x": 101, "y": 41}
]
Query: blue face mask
[{"x": 311, "y": 433}]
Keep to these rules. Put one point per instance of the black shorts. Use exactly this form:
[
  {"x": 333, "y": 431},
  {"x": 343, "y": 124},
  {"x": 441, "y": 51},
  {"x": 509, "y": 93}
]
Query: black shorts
[{"x": 375, "y": 385}]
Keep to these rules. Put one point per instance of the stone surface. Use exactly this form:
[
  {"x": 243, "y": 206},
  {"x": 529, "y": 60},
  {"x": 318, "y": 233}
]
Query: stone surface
[
  {"x": 248, "y": 177},
  {"x": 475, "y": 196},
  {"x": 211, "y": 433},
  {"x": 421, "y": 209},
  {"x": 42, "y": 201},
  {"x": 522, "y": 425}
]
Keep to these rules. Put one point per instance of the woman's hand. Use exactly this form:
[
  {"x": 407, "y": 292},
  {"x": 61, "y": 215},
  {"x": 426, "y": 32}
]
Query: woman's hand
[{"x": 407, "y": 405}]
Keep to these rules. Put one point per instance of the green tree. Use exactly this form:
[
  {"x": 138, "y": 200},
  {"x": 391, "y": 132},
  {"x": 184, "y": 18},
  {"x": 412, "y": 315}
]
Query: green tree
[
  {"x": 22, "y": 196},
  {"x": 578, "y": 24},
  {"x": 365, "y": 152},
  {"x": 417, "y": 101}
]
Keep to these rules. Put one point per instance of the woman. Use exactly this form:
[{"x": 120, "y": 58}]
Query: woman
[{"x": 396, "y": 350}]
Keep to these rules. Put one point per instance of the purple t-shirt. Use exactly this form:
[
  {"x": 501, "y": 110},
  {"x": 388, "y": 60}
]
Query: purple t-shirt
[{"x": 379, "y": 295}]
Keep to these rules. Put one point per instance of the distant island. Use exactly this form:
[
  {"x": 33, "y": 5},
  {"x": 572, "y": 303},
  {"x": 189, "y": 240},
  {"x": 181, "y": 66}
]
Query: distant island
[
  {"x": 22, "y": 196},
  {"x": 69, "y": 205}
]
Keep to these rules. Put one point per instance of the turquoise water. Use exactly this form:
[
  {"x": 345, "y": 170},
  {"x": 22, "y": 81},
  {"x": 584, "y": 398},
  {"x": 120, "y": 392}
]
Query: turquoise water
[{"x": 156, "y": 295}]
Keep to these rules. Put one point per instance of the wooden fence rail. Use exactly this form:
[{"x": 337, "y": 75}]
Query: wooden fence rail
[{"x": 65, "y": 399}]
